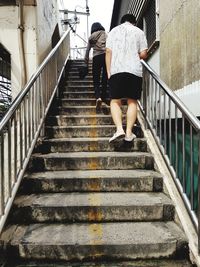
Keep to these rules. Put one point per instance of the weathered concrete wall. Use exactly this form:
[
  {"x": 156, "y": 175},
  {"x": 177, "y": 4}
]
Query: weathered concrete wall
[
  {"x": 39, "y": 23},
  {"x": 9, "y": 38},
  {"x": 179, "y": 42},
  {"x": 47, "y": 18}
]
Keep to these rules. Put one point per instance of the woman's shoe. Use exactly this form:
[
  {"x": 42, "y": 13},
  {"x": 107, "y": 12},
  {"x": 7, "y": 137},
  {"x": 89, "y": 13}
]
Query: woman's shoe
[
  {"x": 117, "y": 137},
  {"x": 130, "y": 138},
  {"x": 98, "y": 103}
]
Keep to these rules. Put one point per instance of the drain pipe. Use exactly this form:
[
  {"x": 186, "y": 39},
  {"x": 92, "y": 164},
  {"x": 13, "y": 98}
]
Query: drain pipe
[{"x": 21, "y": 43}]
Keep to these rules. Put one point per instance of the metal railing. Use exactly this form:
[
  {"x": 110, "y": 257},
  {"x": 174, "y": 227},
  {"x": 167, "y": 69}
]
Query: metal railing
[
  {"x": 23, "y": 123},
  {"x": 78, "y": 52},
  {"x": 177, "y": 133}
]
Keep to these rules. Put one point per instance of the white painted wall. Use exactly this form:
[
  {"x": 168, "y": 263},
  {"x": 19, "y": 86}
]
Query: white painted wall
[
  {"x": 154, "y": 61},
  {"x": 39, "y": 24},
  {"x": 190, "y": 96}
]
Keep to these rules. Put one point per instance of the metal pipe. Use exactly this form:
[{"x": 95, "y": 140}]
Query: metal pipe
[{"x": 21, "y": 43}]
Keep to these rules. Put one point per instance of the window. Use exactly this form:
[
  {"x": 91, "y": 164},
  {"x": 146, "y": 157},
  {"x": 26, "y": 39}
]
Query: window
[
  {"x": 147, "y": 20},
  {"x": 5, "y": 81},
  {"x": 150, "y": 22}
]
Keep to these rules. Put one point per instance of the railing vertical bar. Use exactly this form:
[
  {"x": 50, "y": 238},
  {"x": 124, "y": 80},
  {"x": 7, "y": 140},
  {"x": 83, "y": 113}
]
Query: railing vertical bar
[
  {"x": 25, "y": 127},
  {"x": 165, "y": 124},
  {"x": 15, "y": 146},
  {"x": 2, "y": 173},
  {"x": 21, "y": 137},
  {"x": 151, "y": 102},
  {"x": 198, "y": 179},
  {"x": 38, "y": 102},
  {"x": 9, "y": 158},
  {"x": 183, "y": 152},
  {"x": 176, "y": 139},
  {"x": 170, "y": 132},
  {"x": 191, "y": 169},
  {"x": 29, "y": 119},
  {"x": 156, "y": 119},
  {"x": 160, "y": 122}
]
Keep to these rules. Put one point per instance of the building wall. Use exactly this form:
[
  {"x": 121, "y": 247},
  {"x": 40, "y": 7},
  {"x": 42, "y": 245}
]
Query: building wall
[
  {"x": 40, "y": 22},
  {"x": 47, "y": 19},
  {"x": 179, "y": 42}
]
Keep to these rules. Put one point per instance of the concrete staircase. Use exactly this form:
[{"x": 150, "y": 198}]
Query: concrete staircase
[{"x": 87, "y": 201}]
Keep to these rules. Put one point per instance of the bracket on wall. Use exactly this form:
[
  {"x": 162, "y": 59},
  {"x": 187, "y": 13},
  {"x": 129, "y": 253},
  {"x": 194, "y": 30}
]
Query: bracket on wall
[{"x": 27, "y": 2}]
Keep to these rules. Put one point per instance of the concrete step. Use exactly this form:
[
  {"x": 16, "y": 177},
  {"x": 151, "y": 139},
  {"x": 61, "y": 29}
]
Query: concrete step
[
  {"x": 80, "y": 87},
  {"x": 87, "y": 241},
  {"x": 79, "y": 83},
  {"x": 75, "y": 76},
  {"x": 79, "y": 94},
  {"x": 80, "y": 131},
  {"x": 91, "y": 161},
  {"x": 90, "y": 144},
  {"x": 91, "y": 207},
  {"x": 92, "y": 181},
  {"x": 77, "y": 102},
  {"x": 112, "y": 263},
  {"x": 92, "y": 131},
  {"x": 76, "y": 69},
  {"x": 64, "y": 120},
  {"x": 78, "y": 110}
]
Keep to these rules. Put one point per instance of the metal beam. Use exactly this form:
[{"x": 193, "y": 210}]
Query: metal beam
[{"x": 65, "y": 11}]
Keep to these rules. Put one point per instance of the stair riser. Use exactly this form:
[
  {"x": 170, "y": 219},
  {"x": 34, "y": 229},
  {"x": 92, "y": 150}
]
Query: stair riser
[
  {"x": 79, "y": 88},
  {"x": 143, "y": 263},
  {"x": 79, "y": 83},
  {"x": 76, "y": 67},
  {"x": 73, "y": 121},
  {"x": 92, "y": 214},
  {"x": 75, "y": 77},
  {"x": 96, "y": 251},
  {"x": 82, "y": 111},
  {"x": 78, "y": 94},
  {"x": 61, "y": 185},
  {"x": 93, "y": 132},
  {"x": 93, "y": 146},
  {"x": 100, "y": 163},
  {"x": 79, "y": 132},
  {"x": 78, "y": 102}
]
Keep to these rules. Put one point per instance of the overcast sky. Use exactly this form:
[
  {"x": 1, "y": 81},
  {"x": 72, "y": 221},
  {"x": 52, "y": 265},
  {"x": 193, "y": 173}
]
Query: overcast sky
[{"x": 100, "y": 11}]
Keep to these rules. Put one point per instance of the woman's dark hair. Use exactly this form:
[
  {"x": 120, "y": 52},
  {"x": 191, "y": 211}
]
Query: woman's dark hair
[
  {"x": 128, "y": 17},
  {"x": 97, "y": 27}
]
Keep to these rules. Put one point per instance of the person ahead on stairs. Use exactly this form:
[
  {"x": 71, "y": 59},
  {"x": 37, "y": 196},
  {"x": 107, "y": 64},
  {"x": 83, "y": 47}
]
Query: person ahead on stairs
[
  {"x": 97, "y": 41},
  {"x": 126, "y": 44}
]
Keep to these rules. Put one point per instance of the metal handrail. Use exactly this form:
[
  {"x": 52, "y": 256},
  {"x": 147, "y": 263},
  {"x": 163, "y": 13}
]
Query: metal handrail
[
  {"x": 164, "y": 112},
  {"x": 24, "y": 122},
  {"x": 172, "y": 95}
]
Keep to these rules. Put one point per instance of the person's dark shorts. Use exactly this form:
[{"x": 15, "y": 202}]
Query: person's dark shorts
[{"x": 125, "y": 85}]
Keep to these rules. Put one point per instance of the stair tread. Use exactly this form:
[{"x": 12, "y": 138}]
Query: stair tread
[
  {"x": 105, "y": 199},
  {"x": 81, "y": 116},
  {"x": 92, "y": 154},
  {"x": 83, "y": 139},
  {"x": 81, "y": 126},
  {"x": 101, "y": 234}
]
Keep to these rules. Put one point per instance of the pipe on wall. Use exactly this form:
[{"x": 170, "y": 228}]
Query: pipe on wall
[{"x": 21, "y": 43}]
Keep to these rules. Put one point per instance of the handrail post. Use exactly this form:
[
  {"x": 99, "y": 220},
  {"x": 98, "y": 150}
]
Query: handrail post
[{"x": 199, "y": 191}]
